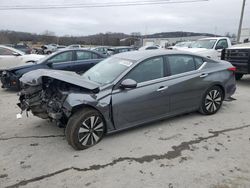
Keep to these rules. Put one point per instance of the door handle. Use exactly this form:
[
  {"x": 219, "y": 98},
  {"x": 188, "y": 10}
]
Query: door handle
[
  {"x": 203, "y": 75},
  {"x": 162, "y": 88}
]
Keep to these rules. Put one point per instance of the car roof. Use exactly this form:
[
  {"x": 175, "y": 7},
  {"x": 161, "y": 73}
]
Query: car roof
[
  {"x": 121, "y": 47},
  {"x": 77, "y": 49},
  {"x": 144, "y": 54}
]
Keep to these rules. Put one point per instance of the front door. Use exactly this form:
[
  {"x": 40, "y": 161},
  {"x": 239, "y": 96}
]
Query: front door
[
  {"x": 62, "y": 61},
  {"x": 148, "y": 101}
]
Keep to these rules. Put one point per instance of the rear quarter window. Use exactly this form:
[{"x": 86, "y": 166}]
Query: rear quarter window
[{"x": 198, "y": 62}]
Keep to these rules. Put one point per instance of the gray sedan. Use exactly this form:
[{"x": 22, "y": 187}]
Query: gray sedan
[{"x": 127, "y": 90}]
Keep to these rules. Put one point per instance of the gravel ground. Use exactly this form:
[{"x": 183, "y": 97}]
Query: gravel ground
[{"x": 187, "y": 151}]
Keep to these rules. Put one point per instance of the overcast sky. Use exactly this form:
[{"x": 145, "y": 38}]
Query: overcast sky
[{"x": 214, "y": 16}]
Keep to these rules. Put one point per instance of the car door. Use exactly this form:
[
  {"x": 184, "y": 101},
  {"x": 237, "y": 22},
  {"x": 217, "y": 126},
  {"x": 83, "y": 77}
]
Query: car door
[
  {"x": 61, "y": 61},
  {"x": 148, "y": 101},
  {"x": 186, "y": 82},
  {"x": 84, "y": 60},
  {"x": 7, "y": 58}
]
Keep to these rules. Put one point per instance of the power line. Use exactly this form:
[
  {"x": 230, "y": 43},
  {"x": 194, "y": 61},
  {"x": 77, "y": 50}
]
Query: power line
[
  {"x": 88, "y": 4},
  {"x": 100, "y": 5}
]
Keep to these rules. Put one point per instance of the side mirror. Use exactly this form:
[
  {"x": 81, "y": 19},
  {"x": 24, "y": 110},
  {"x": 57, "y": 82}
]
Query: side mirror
[
  {"x": 15, "y": 54},
  {"x": 50, "y": 64},
  {"x": 219, "y": 48},
  {"x": 128, "y": 83}
]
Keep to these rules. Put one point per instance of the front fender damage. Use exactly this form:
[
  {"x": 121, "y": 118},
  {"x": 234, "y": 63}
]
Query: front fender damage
[{"x": 49, "y": 94}]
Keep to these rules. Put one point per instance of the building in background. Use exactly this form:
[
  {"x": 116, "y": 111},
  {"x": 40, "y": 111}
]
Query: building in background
[{"x": 245, "y": 35}]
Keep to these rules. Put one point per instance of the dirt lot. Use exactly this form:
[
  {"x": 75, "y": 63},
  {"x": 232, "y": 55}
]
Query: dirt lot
[{"x": 187, "y": 151}]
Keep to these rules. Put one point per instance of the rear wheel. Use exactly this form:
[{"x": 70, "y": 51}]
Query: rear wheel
[
  {"x": 212, "y": 101},
  {"x": 238, "y": 76},
  {"x": 85, "y": 128}
]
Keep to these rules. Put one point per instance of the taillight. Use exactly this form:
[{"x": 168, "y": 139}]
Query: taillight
[{"x": 232, "y": 69}]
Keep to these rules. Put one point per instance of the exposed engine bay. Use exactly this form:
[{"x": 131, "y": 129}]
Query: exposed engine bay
[{"x": 46, "y": 100}]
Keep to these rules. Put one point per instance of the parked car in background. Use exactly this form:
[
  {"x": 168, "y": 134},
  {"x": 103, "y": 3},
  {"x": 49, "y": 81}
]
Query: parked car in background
[
  {"x": 51, "y": 48},
  {"x": 180, "y": 45},
  {"x": 127, "y": 90},
  {"x": 101, "y": 49},
  {"x": 20, "y": 46},
  {"x": 119, "y": 49},
  {"x": 72, "y": 46},
  {"x": 77, "y": 60},
  {"x": 239, "y": 56},
  {"x": 149, "y": 47},
  {"x": 48, "y": 49},
  {"x": 10, "y": 57},
  {"x": 209, "y": 47}
]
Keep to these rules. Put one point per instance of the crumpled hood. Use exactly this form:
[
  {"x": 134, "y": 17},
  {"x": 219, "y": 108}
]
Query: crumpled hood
[{"x": 34, "y": 78}]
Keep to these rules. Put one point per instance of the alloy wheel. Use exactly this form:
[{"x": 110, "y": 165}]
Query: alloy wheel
[
  {"x": 213, "y": 101},
  {"x": 91, "y": 131}
]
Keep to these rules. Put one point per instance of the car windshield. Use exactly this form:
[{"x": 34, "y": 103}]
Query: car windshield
[
  {"x": 208, "y": 44},
  {"x": 107, "y": 70}
]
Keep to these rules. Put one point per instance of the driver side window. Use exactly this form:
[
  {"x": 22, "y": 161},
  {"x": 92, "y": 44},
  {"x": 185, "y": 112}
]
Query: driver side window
[
  {"x": 62, "y": 57},
  {"x": 148, "y": 70},
  {"x": 222, "y": 43}
]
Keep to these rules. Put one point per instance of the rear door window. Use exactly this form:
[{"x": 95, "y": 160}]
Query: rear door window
[
  {"x": 148, "y": 70},
  {"x": 180, "y": 64},
  {"x": 95, "y": 56},
  {"x": 83, "y": 55},
  {"x": 198, "y": 62}
]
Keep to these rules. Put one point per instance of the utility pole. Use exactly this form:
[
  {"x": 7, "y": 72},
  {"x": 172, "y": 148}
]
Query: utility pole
[{"x": 241, "y": 20}]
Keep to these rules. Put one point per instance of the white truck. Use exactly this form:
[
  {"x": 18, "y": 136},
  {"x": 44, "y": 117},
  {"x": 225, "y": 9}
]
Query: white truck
[{"x": 209, "y": 47}]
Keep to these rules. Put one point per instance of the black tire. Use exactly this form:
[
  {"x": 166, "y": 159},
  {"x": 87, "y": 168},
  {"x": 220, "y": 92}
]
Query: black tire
[
  {"x": 85, "y": 128},
  {"x": 49, "y": 52},
  {"x": 212, "y": 101},
  {"x": 238, "y": 76}
]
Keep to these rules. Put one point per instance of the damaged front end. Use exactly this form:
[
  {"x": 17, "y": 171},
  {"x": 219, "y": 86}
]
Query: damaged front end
[
  {"x": 44, "y": 93},
  {"x": 44, "y": 101}
]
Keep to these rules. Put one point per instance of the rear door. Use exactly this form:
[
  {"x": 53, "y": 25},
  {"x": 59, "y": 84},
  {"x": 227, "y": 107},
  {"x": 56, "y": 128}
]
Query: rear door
[
  {"x": 186, "y": 82},
  {"x": 148, "y": 101}
]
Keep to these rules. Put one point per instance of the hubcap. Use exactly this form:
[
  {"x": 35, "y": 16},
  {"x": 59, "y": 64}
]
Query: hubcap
[
  {"x": 90, "y": 131},
  {"x": 213, "y": 100}
]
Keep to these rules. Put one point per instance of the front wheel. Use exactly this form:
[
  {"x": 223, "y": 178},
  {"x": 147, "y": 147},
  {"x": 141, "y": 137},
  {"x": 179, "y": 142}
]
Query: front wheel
[
  {"x": 212, "y": 101},
  {"x": 85, "y": 128}
]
